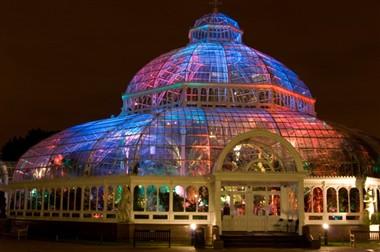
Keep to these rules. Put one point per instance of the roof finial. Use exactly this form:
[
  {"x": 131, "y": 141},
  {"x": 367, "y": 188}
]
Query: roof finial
[{"x": 215, "y": 4}]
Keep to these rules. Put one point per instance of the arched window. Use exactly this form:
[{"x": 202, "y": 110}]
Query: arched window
[
  {"x": 354, "y": 200},
  {"x": 100, "y": 198},
  {"x": 46, "y": 196},
  {"x": 65, "y": 197},
  {"x": 163, "y": 198},
  {"x": 22, "y": 199},
  {"x": 178, "y": 198},
  {"x": 203, "y": 199},
  {"x": 17, "y": 202},
  {"x": 86, "y": 199},
  {"x": 78, "y": 198},
  {"x": 72, "y": 198},
  {"x": 151, "y": 193},
  {"x": 332, "y": 206},
  {"x": 191, "y": 199},
  {"x": 39, "y": 199},
  {"x": 52, "y": 200},
  {"x": 139, "y": 198},
  {"x": 308, "y": 200},
  {"x": 317, "y": 200},
  {"x": 110, "y": 197},
  {"x": 93, "y": 196},
  {"x": 28, "y": 199},
  {"x": 343, "y": 200},
  {"x": 118, "y": 196},
  {"x": 58, "y": 193},
  {"x": 12, "y": 200}
]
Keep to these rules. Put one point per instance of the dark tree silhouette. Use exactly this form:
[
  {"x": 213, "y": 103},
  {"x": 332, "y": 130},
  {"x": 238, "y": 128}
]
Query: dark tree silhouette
[{"x": 16, "y": 146}]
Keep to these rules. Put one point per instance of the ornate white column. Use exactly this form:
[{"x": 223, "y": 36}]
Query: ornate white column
[
  {"x": 301, "y": 206},
  {"x": 217, "y": 213}
]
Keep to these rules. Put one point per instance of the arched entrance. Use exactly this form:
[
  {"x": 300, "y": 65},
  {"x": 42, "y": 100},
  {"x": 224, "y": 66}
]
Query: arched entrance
[{"x": 259, "y": 184}]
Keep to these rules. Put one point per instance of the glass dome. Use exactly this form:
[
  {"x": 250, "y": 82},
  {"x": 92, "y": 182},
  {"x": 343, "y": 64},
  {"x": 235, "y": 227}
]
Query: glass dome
[
  {"x": 187, "y": 136},
  {"x": 187, "y": 141},
  {"x": 216, "y": 54}
]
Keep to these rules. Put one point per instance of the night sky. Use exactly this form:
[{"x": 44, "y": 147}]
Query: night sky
[{"x": 67, "y": 62}]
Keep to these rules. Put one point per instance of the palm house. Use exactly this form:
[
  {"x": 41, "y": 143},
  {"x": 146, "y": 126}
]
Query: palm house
[{"x": 214, "y": 133}]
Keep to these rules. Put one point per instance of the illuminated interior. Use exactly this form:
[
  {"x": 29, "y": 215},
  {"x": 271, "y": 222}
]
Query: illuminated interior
[{"x": 180, "y": 111}]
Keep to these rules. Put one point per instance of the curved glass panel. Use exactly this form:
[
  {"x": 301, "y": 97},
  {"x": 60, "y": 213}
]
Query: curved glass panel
[
  {"x": 209, "y": 62},
  {"x": 343, "y": 200},
  {"x": 354, "y": 200},
  {"x": 86, "y": 199},
  {"x": 163, "y": 198},
  {"x": 317, "y": 200},
  {"x": 187, "y": 141},
  {"x": 178, "y": 198},
  {"x": 308, "y": 200},
  {"x": 203, "y": 199},
  {"x": 191, "y": 199},
  {"x": 332, "y": 205},
  {"x": 139, "y": 198},
  {"x": 151, "y": 193}
]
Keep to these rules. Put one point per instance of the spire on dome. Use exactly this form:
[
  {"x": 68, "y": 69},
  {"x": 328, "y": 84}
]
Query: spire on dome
[{"x": 215, "y": 4}]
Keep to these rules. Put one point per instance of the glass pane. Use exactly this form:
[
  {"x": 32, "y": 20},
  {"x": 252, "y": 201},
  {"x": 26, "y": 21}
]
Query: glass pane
[
  {"x": 238, "y": 200},
  {"x": 52, "y": 200},
  {"x": 259, "y": 205},
  {"x": 354, "y": 200},
  {"x": 151, "y": 192},
  {"x": 178, "y": 199},
  {"x": 58, "y": 199},
  {"x": 39, "y": 199},
  {"x": 93, "y": 196},
  {"x": 163, "y": 198},
  {"x": 65, "y": 205},
  {"x": 78, "y": 199},
  {"x": 86, "y": 200},
  {"x": 274, "y": 205},
  {"x": 308, "y": 200},
  {"x": 191, "y": 199},
  {"x": 12, "y": 201},
  {"x": 203, "y": 199},
  {"x": 110, "y": 196},
  {"x": 139, "y": 198},
  {"x": 28, "y": 199},
  {"x": 22, "y": 199},
  {"x": 226, "y": 204},
  {"x": 317, "y": 200},
  {"x": 332, "y": 206},
  {"x": 118, "y": 196},
  {"x": 17, "y": 206},
  {"x": 46, "y": 197},
  {"x": 343, "y": 200},
  {"x": 100, "y": 198},
  {"x": 72, "y": 199}
]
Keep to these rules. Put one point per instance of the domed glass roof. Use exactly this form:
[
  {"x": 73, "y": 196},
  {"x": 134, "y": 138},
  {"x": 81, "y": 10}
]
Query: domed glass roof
[
  {"x": 187, "y": 141},
  {"x": 216, "y": 54},
  {"x": 186, "y": 138}
]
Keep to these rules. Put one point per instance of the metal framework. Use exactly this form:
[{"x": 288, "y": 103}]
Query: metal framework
[{"x": 215, "y": 113}]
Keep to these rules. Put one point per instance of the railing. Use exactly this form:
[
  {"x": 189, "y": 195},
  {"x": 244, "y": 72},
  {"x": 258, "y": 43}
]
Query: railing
[
  {"x": 172, "y": 217},
  {"x": 151, "y": 236},
  {"x": 93, "y": 216},
  {"x": 332, "y": 218},
  {"x": 363, "y": 236},
  {"x": 218, "y": 95}
]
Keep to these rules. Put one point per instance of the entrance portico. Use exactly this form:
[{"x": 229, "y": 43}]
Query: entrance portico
[{"x": 259, "y": 184}]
